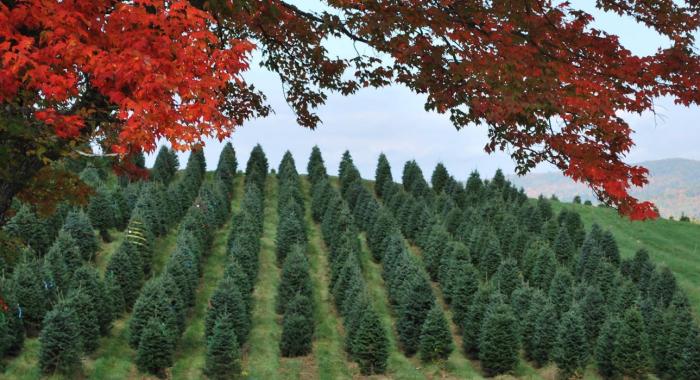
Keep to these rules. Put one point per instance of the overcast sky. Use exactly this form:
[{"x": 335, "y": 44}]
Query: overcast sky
[{"x": 392, "y": 120}]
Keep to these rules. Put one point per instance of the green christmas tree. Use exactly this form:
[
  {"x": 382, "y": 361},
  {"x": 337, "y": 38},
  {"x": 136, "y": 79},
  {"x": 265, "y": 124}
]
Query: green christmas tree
[
  {"x": 439, "y": 177},
  {"x": 294, "y": 279},
  {"x": 165, "y": 166},
  {"x": 570, "y": 350},
  {"x": 31, "y": 294},
  {"x": 507, "y": 277},
  {"x": 60, "y": 341},
  {"x": 155, "y": 349},
  {"x": 415, "y": 301},
  {"x": 32, "y": 230},
  {"x": 86, "y": 315},
  {"x": 690, "y": 363},
  {"x": 382, "y": 175},
  {"x": 371, "y": 344},
  {"x": 435, "y": 338},
  {"x": 126, "y": 268},
  {"x": 297, "y": 334},
  {"x": 605, "y": 347},
  {"x": 87, "y": 280},
  {"x": 227, "y": 166},
  {"x": 101, "y": 212},
  {"x": 78, "y": 225},
  {"x": 593, "y": 309},
  {"x": 544, "y": 334},
  {"x": 561, "y": 291},
  {"x": 471, "y": 327},
  {"x": 227, "y": 300},
  {"x": 631, "y": 354},
  {"x": 498, "y": 340},
  {"x": 223, "y": 355}
]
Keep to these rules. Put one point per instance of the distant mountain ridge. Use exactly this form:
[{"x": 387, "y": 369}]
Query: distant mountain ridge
[{"x": 674, "y": 186}]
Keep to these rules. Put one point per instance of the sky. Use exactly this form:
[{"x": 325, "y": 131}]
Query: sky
[{"x": 393, "y": 120}]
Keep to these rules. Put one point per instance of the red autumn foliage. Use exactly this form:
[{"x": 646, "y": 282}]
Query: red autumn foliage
[{"x": 548, "y": 86}]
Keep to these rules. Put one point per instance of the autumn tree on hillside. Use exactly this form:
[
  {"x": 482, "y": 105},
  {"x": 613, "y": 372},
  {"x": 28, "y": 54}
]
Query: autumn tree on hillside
[{"x": 122, "y": 75}]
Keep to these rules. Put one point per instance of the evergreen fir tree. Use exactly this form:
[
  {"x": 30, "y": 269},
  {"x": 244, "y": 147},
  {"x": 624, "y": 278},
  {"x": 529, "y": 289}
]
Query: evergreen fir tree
[
  {"x": 290, "y": 233},
  {"x": 608, "y": 246},
  {"x": 155, "y": 349},
  {"x": 60, "y": 341},
  {"x": 663, "y": 286},
  {"x": 223, "y": 355},
  {"x": 544, "y": 334},
  {"x": 681, "y": 323},
  {"x": 120, "y": 205},
  {"x": 382, "y": 175},
  {"x": 294, "y": 279},
  {"x": 127, "y": 272},
  {"x": 573, "y": 223},
  {"x": 382, "y": 227},
  {"x": 435, "y": 339},
  {"x": 473, "y": 187},
  {"x": 165, "y": 167},
  {"x": 31, "y": 294},
  {"x": 32, "y": 230},
  {"x": 564, "y": 247},
  {"x": 490, "y": 257},
  {"x": 498, "y": 341},
  {"x": 605, "y": 347},
  {"x": 78, "y": 225},
  {"x": 464, "y": 281},
  {"x": 593, "y": 310},
  {"x": 631, "y": 354},
  {"x": 88, "y": 322},
  {"x": 570, "y": 352},
  {"x": 561, "y": 291},
  {"x": 471, "y": 327},
  {"x": 439, "y": 177},
  {"x": 297, "y": 334},
  {"x": 13, "y": 339},
  {"x": 507, "y": 277},
  {"x": 437, "y": 246},
  {"x": 87, "y": 280},
  {"x": 113, "y": 296},
  {"x": 101, "y": 212},
  {"x": 227, "y": 299},
  {"x": 690, "y": 363},
  {"x": 316, "y": 168},
  {"x": 544, "y": 268},
  {"x": 371, "y": 345},
  {"x": 227, "y": 166},
  {"x": 415, "y": 301}
]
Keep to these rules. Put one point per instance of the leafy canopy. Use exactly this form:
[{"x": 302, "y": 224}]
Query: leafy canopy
[{"x": 549, "y": 87}]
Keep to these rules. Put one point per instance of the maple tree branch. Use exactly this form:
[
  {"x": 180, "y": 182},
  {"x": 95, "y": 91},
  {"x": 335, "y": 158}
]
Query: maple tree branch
[{"x": 313, "y": 17}]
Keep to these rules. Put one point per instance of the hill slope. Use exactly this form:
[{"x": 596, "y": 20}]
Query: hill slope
[
  {"x": 674, "y": 186},
  {"x": 671, "y": 243}
]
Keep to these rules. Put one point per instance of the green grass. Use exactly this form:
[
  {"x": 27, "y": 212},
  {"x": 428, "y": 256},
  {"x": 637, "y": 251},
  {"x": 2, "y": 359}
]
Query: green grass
[
  {"x": 262, "y": 361},
  {"x": 672, "y": 243},
  {"x": 108, "y": 249},
  {"x": 328, "y": 350},
  {"x": 190, "y": 357}
]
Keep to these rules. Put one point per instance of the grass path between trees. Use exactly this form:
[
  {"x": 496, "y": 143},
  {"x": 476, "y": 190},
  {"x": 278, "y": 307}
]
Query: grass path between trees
[
  {"x": 114, "y": 359},
  {"x": 328, "y": 347},
  {"x": 398, "y": 365},
  {"x": 262, "y": 359},
  {"x": 190, "y": 357}
]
